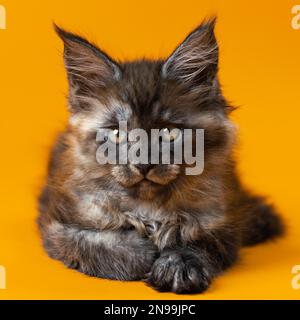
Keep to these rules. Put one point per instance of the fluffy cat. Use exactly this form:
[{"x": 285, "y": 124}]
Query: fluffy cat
[{"x": 149, "y": 222}]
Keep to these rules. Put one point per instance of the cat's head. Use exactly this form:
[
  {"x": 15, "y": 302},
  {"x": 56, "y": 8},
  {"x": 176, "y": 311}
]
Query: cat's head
[{"x": 179, "y": 92}]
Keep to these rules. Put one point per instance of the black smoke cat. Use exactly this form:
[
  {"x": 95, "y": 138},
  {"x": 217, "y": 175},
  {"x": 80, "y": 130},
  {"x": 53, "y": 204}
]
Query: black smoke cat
[{"x": 146, "y": 221}]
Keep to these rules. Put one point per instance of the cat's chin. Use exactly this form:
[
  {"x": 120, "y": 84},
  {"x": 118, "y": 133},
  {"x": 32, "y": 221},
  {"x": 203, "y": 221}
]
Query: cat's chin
[{"x": 145, "y": 189}]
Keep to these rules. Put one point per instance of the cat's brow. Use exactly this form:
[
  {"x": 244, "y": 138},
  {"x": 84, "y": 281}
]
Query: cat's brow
[
  {"x": 109, "y": 125},
  {"x": 172, "y": 124},
  {"x": 178, "y": 121}
]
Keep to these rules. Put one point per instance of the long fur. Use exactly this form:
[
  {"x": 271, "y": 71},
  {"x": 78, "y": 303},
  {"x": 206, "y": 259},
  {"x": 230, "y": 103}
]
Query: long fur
[{"x": 175, "y": 231}]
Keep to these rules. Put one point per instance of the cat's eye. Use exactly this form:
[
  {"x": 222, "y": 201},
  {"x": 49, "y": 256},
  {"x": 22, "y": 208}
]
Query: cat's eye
[
  {"x": 117, "y": 136},
  {"x": 170, "y": 135}
]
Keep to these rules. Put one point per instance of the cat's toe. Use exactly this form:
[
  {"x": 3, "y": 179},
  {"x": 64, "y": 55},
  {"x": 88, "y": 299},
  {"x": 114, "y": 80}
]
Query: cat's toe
[{"x": 179, "y": 273}]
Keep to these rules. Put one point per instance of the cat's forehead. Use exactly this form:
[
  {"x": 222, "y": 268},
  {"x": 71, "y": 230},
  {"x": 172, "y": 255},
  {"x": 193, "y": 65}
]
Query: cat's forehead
[
  {"x": 142, "y": 99},
  {"x": 147, "y": 96},
  {"x": 141, "y": 83}
]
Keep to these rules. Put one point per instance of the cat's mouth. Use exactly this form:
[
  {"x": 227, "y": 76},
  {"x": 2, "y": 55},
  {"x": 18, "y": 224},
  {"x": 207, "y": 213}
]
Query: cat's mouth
[
  {"x": 155, "y": 178},
  {"x": 153, "y": 181},
  {"x": 145, "y": 189},
  {"x": 146, "y": 182}
]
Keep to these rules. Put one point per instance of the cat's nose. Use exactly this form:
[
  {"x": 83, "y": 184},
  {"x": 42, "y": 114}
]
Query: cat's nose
[{"x": 144, "y": 168}]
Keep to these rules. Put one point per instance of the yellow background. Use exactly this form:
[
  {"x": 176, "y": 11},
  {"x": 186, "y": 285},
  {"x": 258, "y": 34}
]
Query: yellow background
[{"x": 260, "y": 68}]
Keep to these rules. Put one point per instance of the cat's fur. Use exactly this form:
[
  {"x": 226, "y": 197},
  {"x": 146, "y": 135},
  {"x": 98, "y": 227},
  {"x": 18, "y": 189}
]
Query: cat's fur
[{"x": 179, "y": 232}]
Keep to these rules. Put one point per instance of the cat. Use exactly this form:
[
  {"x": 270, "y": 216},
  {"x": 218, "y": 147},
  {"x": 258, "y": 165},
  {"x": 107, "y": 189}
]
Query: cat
[{"x": 149, "y": 222}]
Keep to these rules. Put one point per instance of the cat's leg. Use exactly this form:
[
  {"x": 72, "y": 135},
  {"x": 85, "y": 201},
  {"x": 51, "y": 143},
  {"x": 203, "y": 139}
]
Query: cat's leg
[
  {"x": 122, "y": 255},
  {"x": 260, "y": 221},
  {"x": 190, "y": 268}
]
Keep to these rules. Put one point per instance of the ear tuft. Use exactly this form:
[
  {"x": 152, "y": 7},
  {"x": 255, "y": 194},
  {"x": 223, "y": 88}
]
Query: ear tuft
[
  {"x": 68, "y": 38},
  {"x": 88, "y": 67},
  {"x": 195, "y": 60}
]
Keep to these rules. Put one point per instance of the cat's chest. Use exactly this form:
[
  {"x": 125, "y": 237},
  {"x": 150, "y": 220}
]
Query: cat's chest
[{"x": 97, "y": 207}]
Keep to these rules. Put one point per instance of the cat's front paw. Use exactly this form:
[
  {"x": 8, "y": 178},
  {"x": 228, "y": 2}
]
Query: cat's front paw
[{"x": 178, "y": 272}]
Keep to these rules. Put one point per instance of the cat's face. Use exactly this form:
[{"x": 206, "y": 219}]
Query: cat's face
[{"x": 179, "y": 93}]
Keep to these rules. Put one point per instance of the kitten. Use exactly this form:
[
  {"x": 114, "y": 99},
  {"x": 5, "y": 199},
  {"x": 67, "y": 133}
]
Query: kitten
[{"x": 149, "y": 222}]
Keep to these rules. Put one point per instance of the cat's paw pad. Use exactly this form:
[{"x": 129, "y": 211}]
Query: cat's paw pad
[{"x": 178, "y": 272}]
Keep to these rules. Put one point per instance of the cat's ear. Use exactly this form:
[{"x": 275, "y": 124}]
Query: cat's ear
[
  {"x": 195, "y": 60},
  {"x": 88, "y": 67}
]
